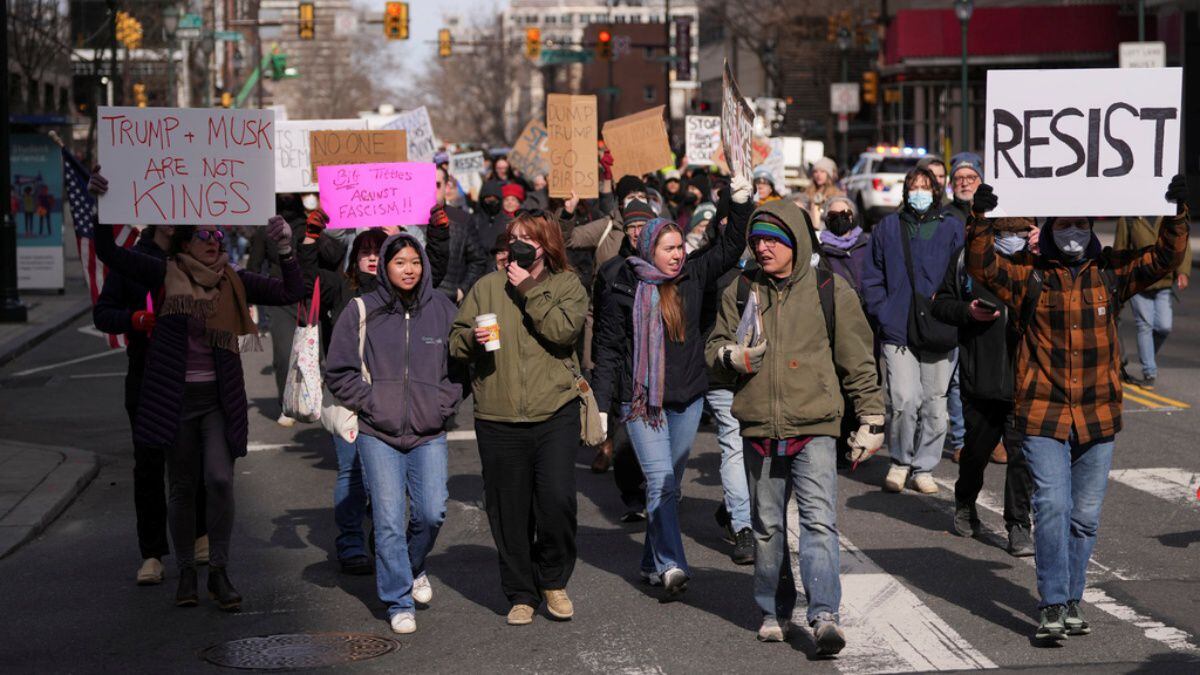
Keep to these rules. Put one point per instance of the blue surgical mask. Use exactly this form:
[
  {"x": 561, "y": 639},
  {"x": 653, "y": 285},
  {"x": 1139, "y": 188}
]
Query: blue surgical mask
[
  {"x": 1009, "y": 244},
  {"x": 1073, "y": 241},
  {"x": 920, "y": 200}
]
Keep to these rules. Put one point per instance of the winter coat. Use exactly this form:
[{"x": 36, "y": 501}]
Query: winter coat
[
  {"x": 886, "y": 291},
  {"x": 412, "y": 391},
  {"x": 798, "y": 389},
  {"x": 986, "y": 349},
  {"x": 488, "y": 228},
  {"x": 120, "y": 297},
  {"x": 1134, "y": 234},
  {"x": 592, "y": 236},
  {"x": 686, "y": 374},
  {"x": 160, "y": 406},
  {"x": 467, "y": 261},
  {"x": 850, "y": 262},
  {"x": 540, "y": 321}
]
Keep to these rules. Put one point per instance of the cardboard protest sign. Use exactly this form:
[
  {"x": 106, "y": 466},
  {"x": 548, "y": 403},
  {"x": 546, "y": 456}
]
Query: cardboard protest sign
[
  {"x": 571, "y": 121},
  {"x": 1083, "y": 142},
  {"x": 375, "y": 195},
  {"x": 737, "y": 126},
  {"x": 638, "y": 143},
  {"x": 184, "y": 166},
  {"x": 421, "y": 143},
  {"x": 531, "y": 153},
  {"x": 467, "y": 169},
  {"x": 293, "y": 158},
  {"x": 356, "y": 146},
  {"x": 703, "y": 138}
]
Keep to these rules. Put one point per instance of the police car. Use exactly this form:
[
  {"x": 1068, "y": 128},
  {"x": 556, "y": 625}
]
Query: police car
[{"x": 876, "y": 181}]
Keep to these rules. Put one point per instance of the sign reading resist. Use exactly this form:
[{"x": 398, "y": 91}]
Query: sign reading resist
[{"x": 1086, "y": 142}]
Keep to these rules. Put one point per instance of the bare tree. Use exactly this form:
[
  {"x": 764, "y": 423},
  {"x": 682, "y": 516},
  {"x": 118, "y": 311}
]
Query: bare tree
[{"x": 39, "y": 38}]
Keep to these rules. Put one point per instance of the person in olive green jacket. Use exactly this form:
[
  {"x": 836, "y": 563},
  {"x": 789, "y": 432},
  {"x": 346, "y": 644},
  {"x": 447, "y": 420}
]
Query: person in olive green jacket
[
  {"x": 1152, "y": 308},
  {"x": 789, "y": 403},
  {"x": 527, "y": 411}
]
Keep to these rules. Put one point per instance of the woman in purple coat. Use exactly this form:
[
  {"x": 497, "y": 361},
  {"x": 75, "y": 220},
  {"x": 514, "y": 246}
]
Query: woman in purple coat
[
  {"x": 193, "y": 399},
  {"x": 843, "y": 241}
]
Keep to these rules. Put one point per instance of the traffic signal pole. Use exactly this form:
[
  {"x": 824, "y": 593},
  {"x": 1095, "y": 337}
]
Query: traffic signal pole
[{"x": 11, "y": 309}]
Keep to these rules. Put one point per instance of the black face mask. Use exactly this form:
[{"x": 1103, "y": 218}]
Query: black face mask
[
  {"x": 490, "y": 205},
  {"x": 839, "y": 223},
  {"x": 525, "y": 255}
]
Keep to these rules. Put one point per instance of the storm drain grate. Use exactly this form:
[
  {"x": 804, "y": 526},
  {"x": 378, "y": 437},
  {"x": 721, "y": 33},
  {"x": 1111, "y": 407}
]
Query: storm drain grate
[{"x": 298, "y": 650}]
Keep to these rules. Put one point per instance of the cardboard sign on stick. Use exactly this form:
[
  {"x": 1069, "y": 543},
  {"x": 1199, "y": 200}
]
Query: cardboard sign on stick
[
  {"x": 1083, "y": 142},
  {"x": 421, "y": 143},
  {"x": 375, "y": 195},
  {"x": 638, "y": 143},
  {"x": 293, "y": 158},
  {"x": 531, "y": 153},
  {"x": 571, "y": 121},
  {"x": 185, "y": 166},
  {"x": 467, "y": 169},
  {"x": 335, "y": 148},
  {"x": 737, "y": 126},
  {"x": 703, "y": 138}
]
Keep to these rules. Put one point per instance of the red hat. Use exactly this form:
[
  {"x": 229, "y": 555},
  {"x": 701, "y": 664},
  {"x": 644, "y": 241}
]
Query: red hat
[{"x": 513, "y": 190}]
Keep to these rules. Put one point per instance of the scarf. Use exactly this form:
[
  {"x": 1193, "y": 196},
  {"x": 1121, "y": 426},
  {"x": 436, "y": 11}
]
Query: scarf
[
  {"x": 649, "y": 362},
  {"x": 212, "y": 294},
  {"x": 842, "y": 243}
]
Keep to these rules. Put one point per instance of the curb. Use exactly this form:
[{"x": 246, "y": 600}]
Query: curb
[
  {"x": 16, "y": 346},
  {"x": 49, "y": 498}
]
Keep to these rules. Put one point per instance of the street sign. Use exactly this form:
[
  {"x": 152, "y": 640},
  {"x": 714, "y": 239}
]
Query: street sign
[
  {"x": 345, "y": 23},
  {"x": 1143, "y": 55},
  {"x": 844, "y": 97},
  {"x": 554, "y": 56},
  {"x": 843, "y": 123},
  {"x": 189, "y": 28},
  {"x": 227, "y": 35}
]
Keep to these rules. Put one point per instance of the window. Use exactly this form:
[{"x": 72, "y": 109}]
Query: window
[
  {"x": 14, "y": 85},
  {"x": 33, "y": 95},
  {"x": 64, "y": 100},
  {"x": 649, "y": 93},
  {"x": 648, "y": 53},
  {"x": 48, "y": 98}
]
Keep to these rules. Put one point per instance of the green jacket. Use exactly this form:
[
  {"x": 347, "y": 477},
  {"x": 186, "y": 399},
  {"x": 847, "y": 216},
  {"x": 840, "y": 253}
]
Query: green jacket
[
  {"x": 798, "y": 388},
  {"x": 1138, "y": 233},
  {"x": 540, "y": 323}
]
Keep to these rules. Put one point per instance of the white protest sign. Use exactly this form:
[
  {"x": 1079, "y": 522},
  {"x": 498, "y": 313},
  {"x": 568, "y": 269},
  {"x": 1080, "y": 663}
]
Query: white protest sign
[
  {"x": 293, "y": 154},
  {"x": 467, "y": 169},
  {"x": 187, "y": 166},
  {"x": 1085, "y": 142},
  {"x": 703, "y": 138},
  {"x": 775, "y": 164},
  {"x": 421, "y": 143}
]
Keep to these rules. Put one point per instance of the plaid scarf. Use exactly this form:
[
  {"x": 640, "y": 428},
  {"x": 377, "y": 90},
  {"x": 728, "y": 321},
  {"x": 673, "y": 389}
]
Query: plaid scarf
[{"x": 649, "y": 363}]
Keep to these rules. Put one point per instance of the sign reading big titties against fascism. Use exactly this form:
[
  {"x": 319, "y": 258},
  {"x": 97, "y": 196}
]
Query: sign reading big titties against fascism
[
  {"x": 1085, "y": 142},
  {"x": 376, "y": 195},
  {"x": 187, "y": 166}
]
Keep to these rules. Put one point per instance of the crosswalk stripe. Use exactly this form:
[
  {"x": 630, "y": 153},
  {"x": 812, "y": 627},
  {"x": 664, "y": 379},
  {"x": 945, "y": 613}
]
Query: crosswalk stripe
[
  {"x": 1157, "y": 397},
  {"x": 1172, "y": 484}
]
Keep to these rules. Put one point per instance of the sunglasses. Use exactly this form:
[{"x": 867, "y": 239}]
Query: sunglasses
[{"x": 209, "y": 235}]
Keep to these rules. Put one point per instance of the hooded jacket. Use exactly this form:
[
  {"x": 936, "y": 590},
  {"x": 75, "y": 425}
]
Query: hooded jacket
[
  {"x": 412, "y": 391},
  {"x": 686, "y": 370},
  {"x": 488, "y": 227},
  {"x": 849, "y": 262},
  {"x": 798, "y": 391}
]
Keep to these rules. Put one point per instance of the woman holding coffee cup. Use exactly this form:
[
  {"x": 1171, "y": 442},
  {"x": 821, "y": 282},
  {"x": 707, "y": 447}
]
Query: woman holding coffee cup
[{"x": 518, "y": 328}]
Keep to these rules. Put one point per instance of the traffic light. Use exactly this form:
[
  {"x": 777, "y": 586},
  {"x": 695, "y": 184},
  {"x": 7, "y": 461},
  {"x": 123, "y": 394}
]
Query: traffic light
[
  {"x": 870, "y": 87},
  {"x": 308, "y": 21},
  {"x": 533, "y": 43},
  {"x": 129, "y": 30},
  {"x": 604, "y": 45},
  {"x": 395, "y": 21},
  {"x": 226, "y": 99},
  {"x": 444, "y": 42},
  {"x": 139, "y": 94}
]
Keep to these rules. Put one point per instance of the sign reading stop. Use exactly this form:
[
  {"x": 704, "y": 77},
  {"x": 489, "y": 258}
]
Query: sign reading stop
[{"x": 844, "y": 97}]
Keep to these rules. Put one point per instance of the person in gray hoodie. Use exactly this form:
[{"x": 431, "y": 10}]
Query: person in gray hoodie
[{"x": 398, "y": 378}]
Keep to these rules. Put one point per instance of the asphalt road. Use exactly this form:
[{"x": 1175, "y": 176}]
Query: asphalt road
[{"x": 915, "y": 596}]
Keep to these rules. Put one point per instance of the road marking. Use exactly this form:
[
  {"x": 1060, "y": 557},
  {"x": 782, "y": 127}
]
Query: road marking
[
  {"x": 1157, "y": 397},
  {"x": 1173, "y": 485},
  {"x": 889, "y": 628},
  {"x": 93, "y": 331},
  {"x": 89, "y": 376},
  {"x": 71, "y": 362},
  {"x": 260, "y": 447}
]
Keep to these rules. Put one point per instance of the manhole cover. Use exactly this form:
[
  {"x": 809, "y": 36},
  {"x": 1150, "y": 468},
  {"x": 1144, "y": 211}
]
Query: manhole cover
[{"x": 298, "y": 650}]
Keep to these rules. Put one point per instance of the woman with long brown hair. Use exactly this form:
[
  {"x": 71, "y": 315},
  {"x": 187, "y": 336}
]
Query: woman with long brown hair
[
  {"x": 650, "y": 357},
  {"x": 517, "y": 328}
]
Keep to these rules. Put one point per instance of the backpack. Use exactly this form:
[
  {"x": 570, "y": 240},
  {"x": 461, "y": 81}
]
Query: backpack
[{"x": 824, "y": 292}]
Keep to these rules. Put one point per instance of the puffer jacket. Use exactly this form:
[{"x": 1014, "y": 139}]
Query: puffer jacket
[
  {"x": 798, "y": 389},
  {"x": 413, "y": 390},
  {"x": 540, "y": 321}
]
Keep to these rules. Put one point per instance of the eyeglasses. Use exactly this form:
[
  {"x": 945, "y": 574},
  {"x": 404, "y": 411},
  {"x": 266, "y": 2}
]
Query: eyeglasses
[
  {"x": 206, "y": 235},
  {"x": 765, "y": 241},
  {"x": 965, "y": 180}
]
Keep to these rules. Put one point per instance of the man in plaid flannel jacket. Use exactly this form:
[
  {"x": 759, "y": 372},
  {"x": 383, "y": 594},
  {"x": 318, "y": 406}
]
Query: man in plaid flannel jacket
[{"x": 1068, "y": 388}]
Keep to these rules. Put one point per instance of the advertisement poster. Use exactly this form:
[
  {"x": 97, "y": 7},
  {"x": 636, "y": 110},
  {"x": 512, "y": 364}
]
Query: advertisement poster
[{"x": 37, "y": 210}]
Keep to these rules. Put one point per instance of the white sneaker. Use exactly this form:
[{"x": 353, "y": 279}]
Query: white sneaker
[
  {"x": 200, "y": 552},
  {"x": 923, "y": 482},
  {"x": 771, "y": 630},
  {"x": 422, "y": 592},
  {"x": 897, "y": 476},
  {"x": 674, "y": 581},
  {"x": 404, "y": 623},
  {"x": 285, "y": 421},
  {"x": 150, "y": 573}
]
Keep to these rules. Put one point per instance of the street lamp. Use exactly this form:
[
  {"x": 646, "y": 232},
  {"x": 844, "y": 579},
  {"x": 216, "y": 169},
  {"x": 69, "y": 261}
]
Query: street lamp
[
  {"x": 170, "y": 18},
  {"x": 843, "y": 45},
  {"x": 963, "y": 9}
]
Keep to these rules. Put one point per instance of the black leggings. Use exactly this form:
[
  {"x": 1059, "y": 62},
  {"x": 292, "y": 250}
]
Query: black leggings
[{"x": 201, "y": 451}]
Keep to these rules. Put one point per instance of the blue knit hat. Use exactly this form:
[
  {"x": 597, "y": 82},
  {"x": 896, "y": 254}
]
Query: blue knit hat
[{"x": 967, "y": 160}]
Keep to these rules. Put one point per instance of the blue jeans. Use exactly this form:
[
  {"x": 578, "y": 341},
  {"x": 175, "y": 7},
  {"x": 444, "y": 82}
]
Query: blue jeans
[
  {"x": 1069, "y": 480},
  {"x": 349, "y": 500},
  {"x": 396, "y": 476},
  {"x": 954, "y": 408},
  {"x": 733, "y": 469},
  {"x": 812, "y": 474},
  {"x": 916, "y": 387},
  {"x": 663, "y": 454},
  {"x": 1153, "y": 316}
]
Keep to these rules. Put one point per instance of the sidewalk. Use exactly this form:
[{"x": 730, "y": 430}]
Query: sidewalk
[{"x": 38, "y": 482}]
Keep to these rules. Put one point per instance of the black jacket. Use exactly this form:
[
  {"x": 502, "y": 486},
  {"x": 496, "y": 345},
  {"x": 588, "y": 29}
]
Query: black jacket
[
  {"x": 488, "y": 227},
  {"x": 467, "y": 261},
  {"x": 119, "y": 299},
  {"x": 686, "y": 369},
  {"x": 986, "y": 350}
]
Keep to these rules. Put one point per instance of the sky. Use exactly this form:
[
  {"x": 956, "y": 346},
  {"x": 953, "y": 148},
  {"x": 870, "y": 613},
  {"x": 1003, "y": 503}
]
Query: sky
[{"x": 425, "y": 19}]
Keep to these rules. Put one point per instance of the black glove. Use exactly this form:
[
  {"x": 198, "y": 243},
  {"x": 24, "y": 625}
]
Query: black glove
[
  {"x": 1177, "y": 192},
  {"x": 723, "y": 202},
  {"x": 984, "y": 200}
]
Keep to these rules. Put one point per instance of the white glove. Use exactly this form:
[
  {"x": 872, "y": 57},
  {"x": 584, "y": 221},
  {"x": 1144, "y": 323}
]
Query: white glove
[
  {"x": 280, "y": 232},
  {"x": 741, "y": 189},
  {"x": 604, "y": 424},
  {"x": 867, "y": 440},
  {"x": 743, "y": 359}
]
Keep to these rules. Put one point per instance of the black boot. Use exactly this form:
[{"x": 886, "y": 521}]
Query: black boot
[
  {"x": 221, "y": 590},
  {"x": 185, "y": 594}
]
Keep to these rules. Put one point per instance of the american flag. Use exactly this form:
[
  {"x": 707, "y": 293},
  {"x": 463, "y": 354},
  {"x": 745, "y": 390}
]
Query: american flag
[{"x": 85, "y": 214}]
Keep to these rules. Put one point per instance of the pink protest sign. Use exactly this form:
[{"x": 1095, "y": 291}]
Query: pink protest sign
[{"x": 374, "y": 195}]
